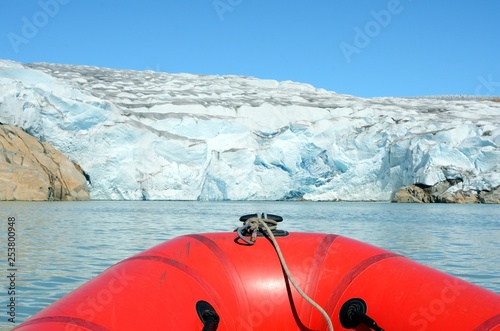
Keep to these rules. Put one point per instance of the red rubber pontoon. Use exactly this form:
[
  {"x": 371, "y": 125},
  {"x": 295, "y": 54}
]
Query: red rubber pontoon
[{"x": 217, "y": 281}]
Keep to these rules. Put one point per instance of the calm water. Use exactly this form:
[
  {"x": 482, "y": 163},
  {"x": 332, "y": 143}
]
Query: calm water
[{"x": 60, "y": 245}]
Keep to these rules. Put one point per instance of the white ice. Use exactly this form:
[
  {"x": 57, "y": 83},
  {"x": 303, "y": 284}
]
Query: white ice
[{"x": 150, "y": 135}]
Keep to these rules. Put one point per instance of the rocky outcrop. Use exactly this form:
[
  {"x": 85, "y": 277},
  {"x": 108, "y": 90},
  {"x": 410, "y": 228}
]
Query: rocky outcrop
[
  {"x": 411, "y": 193},
  {"x": 492, "y": 196},
  {"x": 445, "y": 192},
  {"x": 32, "y": 170}
]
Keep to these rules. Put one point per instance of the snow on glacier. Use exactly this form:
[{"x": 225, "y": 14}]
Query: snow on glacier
[{"x": 150, "y": 135}]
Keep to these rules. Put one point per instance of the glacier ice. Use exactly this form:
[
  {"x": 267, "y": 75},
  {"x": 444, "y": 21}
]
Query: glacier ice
[{"x": 151, "y": 135}]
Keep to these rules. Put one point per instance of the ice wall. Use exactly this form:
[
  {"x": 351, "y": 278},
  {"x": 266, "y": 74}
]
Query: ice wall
[{"x": 150, "y": 135}]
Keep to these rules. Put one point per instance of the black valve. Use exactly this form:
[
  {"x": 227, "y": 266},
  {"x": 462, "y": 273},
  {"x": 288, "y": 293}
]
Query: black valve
[
  {"x": 353, "y": 313},
  {"x": 208, "y": 316},
  {"x": 276, "y": 218},
  {"x": 270, "y": 219}
]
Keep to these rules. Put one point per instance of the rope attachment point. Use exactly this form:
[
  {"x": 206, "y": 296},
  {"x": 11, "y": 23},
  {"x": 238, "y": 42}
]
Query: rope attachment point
[{"x": 267, "y": 224}]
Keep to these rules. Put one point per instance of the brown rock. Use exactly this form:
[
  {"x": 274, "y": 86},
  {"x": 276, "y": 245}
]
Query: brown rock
[
  {"x": 411, "y": 193},
  {"x": 492, "y": 196},
  {"x": 439, "y": 194},
  {"x": 32, "y": 170},
  {"x": 458, "y": 197}
]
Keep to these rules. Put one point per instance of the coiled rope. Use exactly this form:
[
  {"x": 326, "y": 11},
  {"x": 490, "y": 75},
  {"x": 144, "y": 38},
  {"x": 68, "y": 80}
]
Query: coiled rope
[{"x": 254, "y": 224}]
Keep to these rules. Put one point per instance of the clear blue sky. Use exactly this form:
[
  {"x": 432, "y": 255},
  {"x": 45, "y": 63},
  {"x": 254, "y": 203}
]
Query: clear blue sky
[{"x": 364, "y": 48}]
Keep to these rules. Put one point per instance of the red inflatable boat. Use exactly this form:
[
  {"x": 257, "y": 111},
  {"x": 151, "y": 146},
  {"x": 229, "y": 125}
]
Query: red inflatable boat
[{"x": 238, "y": 281}]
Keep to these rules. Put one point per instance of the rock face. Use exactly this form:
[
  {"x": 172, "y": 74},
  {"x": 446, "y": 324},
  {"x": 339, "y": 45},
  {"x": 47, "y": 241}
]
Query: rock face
[
  {"x": 445, "y": 192},
  {"x": 32, "y": 170}
]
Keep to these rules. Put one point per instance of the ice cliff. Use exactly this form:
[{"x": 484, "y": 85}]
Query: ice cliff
[{"x": 151, "y": 135}]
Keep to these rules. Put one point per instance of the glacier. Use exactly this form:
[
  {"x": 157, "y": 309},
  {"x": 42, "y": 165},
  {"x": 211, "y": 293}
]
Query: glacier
[{"x": 157, "y": 136}]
